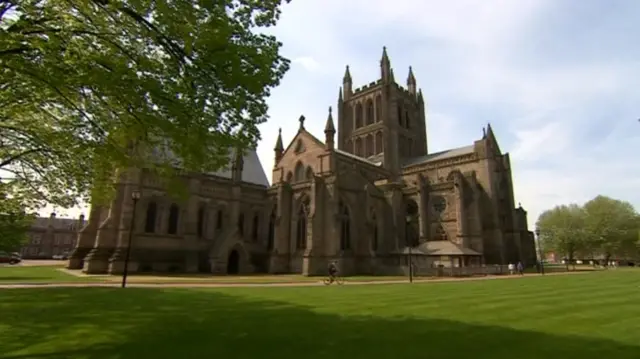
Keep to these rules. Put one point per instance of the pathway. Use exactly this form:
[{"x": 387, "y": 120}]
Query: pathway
[{"x": 261, "y": 285}]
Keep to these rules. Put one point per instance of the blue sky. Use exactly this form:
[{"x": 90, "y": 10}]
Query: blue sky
[{"x": 557, "y": 80}]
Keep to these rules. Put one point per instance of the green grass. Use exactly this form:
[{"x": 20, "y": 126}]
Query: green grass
[
  {"x": 586, "y": 316},
  {"x": 43, "y": 274}
]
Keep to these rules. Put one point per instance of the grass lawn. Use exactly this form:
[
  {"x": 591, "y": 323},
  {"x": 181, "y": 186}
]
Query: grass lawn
[{"x": 587, "y": 316}]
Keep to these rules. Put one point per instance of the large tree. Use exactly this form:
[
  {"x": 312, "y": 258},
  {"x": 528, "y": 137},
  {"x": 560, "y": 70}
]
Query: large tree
[
  {"x": 14, "y": 222},
  {"x": 91, "y": 86},
  {"x": 612, "y": 226},
  {"x": 562, "y": 230}
]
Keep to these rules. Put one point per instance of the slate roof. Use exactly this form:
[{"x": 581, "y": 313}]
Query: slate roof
[
  {"x": 440, "y": 248},
  {"x": 454, "y": 152}
]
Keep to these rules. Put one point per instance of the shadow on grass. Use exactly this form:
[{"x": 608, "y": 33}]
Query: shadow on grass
[{"x": 100, "y": 323}]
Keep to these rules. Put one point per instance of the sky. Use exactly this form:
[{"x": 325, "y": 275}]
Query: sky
[{"x": 557, "y": 80}]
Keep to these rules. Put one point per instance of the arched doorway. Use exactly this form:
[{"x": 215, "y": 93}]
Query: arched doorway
[{"x": 233, "y": 262}]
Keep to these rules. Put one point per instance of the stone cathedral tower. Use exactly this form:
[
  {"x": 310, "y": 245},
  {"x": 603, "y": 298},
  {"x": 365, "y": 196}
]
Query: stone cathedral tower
[{"x": 382, "y": 121}]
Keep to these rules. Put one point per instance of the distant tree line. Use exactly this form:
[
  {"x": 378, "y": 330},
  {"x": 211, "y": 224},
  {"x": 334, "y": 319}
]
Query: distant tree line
[{"x": 603, "y": 228}]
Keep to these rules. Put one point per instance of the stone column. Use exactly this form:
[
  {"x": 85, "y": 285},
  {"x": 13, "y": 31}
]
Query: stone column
[
  {"x": 97, "y": 260},
  {"x": 86, "y": 239},
  {"x": 280, "y": 255}
]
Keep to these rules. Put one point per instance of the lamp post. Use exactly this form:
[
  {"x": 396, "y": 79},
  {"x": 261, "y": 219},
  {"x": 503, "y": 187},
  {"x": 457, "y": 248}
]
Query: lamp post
[
  {"x": 135, "y": 196},
  {"x": 409, "y": 244},
  {"x": 540, "y": 251}
]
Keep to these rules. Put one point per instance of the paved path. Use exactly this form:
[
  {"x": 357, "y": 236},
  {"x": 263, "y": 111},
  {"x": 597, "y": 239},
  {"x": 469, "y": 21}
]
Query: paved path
[{"x": 262, "y": 285}]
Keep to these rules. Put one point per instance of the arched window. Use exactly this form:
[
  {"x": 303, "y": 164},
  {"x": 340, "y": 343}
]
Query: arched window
[
  {"x": 299, "y": 172},
  {"x": 370, "y": 112},
  {"x": 309, "y": 174},
  {"x": 374, "y": 240},
  {"x": 255, "y": 227},
  {"x": 174, "y": 214},
  {"x": 272, "y": 230},
  {"x": 379, "y": 144},
  {"x": 241, "y": 224},
  {"x": 359, "y": 115},
  {"x": 411, "y": 232},
  {"x": 345, "y": 227},
  {"x": 150, "y": 220},
  {"x": 219, "y": 220},
  {"x": 201, "y": 218},
  {"x": 407, "y": 122},
  {"x": 301, "y": 227},
  {"x": 400, "y": 122},
  {"x": 378, "y": 108},
  {"x": 369, "y": 146}
]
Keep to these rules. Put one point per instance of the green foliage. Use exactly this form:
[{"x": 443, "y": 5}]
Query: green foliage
[
  {"x": 90, "y": 87},
  {"x": 562, "y": 229},
  {"x": 14, "y": 223},
  {"x": 601, "y": 227}
]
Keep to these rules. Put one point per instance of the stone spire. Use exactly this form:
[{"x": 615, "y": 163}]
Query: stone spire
[
  {"x": 329, "y": 132},
  {"x": 386, "y": 73},
  {"x": 347, "y": 83},
  {"x": 279, "y": 149},
  {"x": 411, "y": 82}
]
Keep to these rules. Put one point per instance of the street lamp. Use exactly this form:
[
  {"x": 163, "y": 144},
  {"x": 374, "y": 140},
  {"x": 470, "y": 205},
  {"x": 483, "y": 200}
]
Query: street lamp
[
  {"x": 408, "y": 241},
  {"x": 540, "y": 251},
  {"x": 135, "y": 196}
]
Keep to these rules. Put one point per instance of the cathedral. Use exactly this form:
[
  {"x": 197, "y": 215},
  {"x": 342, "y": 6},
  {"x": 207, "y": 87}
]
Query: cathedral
[{"x": 368, "y": 194}]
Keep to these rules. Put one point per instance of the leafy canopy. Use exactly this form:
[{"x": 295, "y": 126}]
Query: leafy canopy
[
  {"x": 91, "y": 86},
  {"x": 603, "y": 226}
]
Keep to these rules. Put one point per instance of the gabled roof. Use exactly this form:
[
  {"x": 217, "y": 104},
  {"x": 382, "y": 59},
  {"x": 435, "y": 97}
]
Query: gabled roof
[
  {"x": 454, "y": 152},
  {"x": 440, "y": 248},
  {"x": 252, "y": 170}
]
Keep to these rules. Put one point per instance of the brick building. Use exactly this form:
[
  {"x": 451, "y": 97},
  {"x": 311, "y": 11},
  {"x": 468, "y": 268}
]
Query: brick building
[
  {"x": 51, "y": 236},
  {"x": 365, "y": 198}
]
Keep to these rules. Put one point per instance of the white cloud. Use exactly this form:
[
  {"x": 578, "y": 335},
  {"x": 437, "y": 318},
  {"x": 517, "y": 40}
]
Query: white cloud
[{"x": 309, "y": 63}]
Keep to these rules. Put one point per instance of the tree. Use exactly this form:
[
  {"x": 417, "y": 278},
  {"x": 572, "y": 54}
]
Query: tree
[
  {"x": 14, "y": 223},
  {"x": 88, "y": 87},
  {"x": 613, "y": 226},
  {"x": 562, "y": 230}
]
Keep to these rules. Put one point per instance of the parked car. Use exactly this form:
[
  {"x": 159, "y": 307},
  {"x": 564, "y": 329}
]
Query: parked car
[
  {"x": 11, "y": 258},
  {"x": 63, "y": 256}
]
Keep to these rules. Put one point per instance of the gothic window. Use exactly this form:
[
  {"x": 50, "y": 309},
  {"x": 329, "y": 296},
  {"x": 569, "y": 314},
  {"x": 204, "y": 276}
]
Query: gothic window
[
  {"x": 359, "y": 115},
  {"x": 174, "y": 214},
  {"x": 374, "y": 240},
  {"x": 299, "y": 172},
  {"x": 439, "y": 204},
  {"x": 309, "y": 174},
  {"x": 272, "y": 230},
  {"x": 411, "y": 212},
  {"x": 301, "y": 227},
  {"x": 255, "y": 227},
  {"x": 406, "y": 119},
  {"x": 378, "y": 143},
  {"x": 201, "y": 217},
  {"x": 400, "y": 115},
  {"x": 378, "y": 108},
  {"x": 369, "y": 146},
  {"x": 345, "y": 227},
  {"x": 299, "y": 147},
  {"x": 358, "y": 147},
  {"x": 150, "y": 220},
  {"x": 370, "y": 113},
  {"x": 219, "y": 220},
  {"x": 241, "y": 224}
]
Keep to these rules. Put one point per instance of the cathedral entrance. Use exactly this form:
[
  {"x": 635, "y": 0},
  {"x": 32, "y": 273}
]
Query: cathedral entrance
[{"x": 233, "y": 262}]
